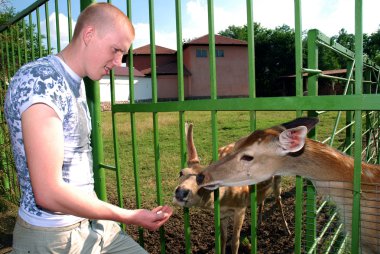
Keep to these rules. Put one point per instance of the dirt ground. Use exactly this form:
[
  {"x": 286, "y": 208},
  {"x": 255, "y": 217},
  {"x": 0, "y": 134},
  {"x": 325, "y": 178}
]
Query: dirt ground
[
  {"x": 8, "y": 213},
  {"x": 272, "y": 236}
]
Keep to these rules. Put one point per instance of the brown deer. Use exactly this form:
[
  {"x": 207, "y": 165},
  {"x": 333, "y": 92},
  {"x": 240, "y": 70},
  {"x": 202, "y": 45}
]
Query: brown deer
[
  {"x": 285, "y": 150},
  {"x": 233, "y": 200}
]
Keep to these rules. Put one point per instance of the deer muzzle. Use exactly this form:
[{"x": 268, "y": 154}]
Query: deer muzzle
[{"x": 182, "y": 194}]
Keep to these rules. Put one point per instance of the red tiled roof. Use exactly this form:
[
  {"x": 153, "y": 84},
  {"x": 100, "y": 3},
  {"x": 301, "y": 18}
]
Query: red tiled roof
[
  {"x": 124, "y": 71},
  {"x": 219, "y": 40},
  {"x": 145, "y": 50},
  {"x": 146, "y": 71}
]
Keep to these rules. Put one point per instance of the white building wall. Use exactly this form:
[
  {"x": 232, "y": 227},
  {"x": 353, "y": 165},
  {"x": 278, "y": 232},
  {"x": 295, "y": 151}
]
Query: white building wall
[{"x": 143, "y": 89}]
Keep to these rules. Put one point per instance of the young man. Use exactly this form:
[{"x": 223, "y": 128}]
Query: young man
[{"x": 50, "y": 127}]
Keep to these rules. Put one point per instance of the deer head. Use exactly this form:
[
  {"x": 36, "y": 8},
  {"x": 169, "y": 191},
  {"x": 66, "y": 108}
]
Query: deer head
[
  {"x": 259, "y": 156},
  {"x": 188, "y": 193}
]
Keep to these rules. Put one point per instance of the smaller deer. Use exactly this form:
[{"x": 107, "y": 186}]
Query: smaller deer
[{"x": 233, "y": 200}]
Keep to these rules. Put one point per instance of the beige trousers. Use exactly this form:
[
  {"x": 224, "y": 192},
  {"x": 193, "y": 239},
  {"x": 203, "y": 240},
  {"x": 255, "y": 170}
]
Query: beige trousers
[{"x": 87, "y": 236}]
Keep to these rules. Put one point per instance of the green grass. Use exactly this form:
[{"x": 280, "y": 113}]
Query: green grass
[{"x": 231, "y": 127}]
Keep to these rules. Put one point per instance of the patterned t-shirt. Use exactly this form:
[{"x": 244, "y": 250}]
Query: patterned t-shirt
[{"x": 50, "y": 81}]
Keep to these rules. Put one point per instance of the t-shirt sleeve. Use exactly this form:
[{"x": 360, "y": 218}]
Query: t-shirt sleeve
[{"x": 40, "y": 83}]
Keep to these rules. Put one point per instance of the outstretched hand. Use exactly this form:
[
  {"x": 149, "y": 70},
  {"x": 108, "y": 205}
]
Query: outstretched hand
[{"x": 153, "y": 219}]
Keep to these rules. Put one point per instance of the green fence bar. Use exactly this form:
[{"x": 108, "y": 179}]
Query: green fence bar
[
  {"x": 355, "y": 247},
  {"x": 3, "y": 162},
  {"x": 24, "y": 41},
  {"x": 31, "y": 37},
  {"x": 349, "y": 114},
  {"x": 19, "y": 63},
  {"x": 48, "y": 42},
  {"x": 181, "y": 97},
  {"x": 116, "y": 142},
  {"x": 299, "y": 93},
  {"x": 214, "y": 113},
  {"x": 7, "y": 56},
  {"x": 69, "y": 18},
  {"x": 93, "y": 101},
  {"x": 155, "y": 116},
  {"x": 252, "y": 94},
  {"x": 57, "y": 26},
  {"x": 133, "y": 129},
  {"x": 13, "y": 51},
  {"x": 312, "y": 88},
  {"x": 39, "y": 36}
]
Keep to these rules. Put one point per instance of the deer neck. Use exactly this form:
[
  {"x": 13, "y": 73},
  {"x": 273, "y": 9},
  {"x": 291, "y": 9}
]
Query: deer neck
[
  {"x": 207, "y": 199},
  {"x": 320, "y": 162}
]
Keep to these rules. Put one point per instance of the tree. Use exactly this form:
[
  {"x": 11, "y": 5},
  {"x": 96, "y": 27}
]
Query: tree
[
  {"x": 345, "y": 39},
  {"x": 371, "y": 43},
  {"x": 275, "y": 51},
  {"x": 372, "y": 46}
]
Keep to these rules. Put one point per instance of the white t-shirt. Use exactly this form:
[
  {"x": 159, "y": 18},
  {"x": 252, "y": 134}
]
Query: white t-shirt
[{"x": 50, "y": 81}]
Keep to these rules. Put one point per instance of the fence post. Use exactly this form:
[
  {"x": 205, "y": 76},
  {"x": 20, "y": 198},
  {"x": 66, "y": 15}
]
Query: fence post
[
  {"x": 4, "y": 179},
  {"x": 93, "y": 101}
]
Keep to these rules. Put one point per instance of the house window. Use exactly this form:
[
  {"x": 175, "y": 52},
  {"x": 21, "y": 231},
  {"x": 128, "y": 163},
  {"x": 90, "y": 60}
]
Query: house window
[
  {"x": 201, "y": 53},
  {"x": 219, "y": 53}
]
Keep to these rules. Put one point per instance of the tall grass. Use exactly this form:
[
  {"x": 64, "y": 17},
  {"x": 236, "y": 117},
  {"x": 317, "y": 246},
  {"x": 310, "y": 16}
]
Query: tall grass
[{"x": 231, "y": 127}]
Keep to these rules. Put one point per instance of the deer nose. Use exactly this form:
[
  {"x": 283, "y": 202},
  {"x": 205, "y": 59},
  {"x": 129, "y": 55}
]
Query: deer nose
[
  {"x": 181, "y": 194},
  {"x": 200, "y": 177}
]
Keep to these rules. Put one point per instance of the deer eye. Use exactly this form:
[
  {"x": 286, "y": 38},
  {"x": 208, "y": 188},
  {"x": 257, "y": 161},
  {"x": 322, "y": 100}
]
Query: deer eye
[{"x": 247, "y": 158}]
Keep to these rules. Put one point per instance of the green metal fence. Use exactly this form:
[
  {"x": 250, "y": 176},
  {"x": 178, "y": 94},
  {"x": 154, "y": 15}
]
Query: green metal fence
[{"x": 356, "y": 109}]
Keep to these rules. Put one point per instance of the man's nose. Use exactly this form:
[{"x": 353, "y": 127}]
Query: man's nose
[{"x": 117, "y": 61}]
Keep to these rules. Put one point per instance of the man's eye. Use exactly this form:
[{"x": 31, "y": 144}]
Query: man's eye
[{"x": 118, "y": 51}]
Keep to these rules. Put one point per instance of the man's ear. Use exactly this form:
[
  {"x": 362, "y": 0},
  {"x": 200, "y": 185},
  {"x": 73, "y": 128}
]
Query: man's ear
[
  {"x": 87, "y": 34},
  {"x": 292, "y": 140}
]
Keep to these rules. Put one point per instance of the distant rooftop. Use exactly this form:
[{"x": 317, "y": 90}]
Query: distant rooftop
[
  {"x": 145, "y": 50},
  {"x": 219, "y": 40},
  {"x": 124, "y": 71}
]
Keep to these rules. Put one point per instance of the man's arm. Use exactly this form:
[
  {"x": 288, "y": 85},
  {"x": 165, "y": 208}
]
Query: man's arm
[{"x": 43, "y": 140}]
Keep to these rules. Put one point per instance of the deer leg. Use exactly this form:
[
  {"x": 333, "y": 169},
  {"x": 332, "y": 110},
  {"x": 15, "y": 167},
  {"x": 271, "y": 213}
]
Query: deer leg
[
  {"x": 238, "y": 223},
  {"x": 277, "y": 193},
  {"x": 260, "y": 213},
  {"x": 279, "y": 203},
  {"x": 223, "y": 228}
]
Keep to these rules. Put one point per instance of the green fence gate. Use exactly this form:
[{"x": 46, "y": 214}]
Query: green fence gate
[{"x": 354, "y": 129}]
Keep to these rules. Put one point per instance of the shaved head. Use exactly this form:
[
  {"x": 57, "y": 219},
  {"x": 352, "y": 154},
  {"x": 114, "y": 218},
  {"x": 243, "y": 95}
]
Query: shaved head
[{"x": 103, "y": 17}]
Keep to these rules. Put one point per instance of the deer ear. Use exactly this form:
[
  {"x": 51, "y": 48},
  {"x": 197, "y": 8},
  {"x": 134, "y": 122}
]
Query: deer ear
[
  {"x": 293, "y": 140},
  {"x": 192, "y": 154}
]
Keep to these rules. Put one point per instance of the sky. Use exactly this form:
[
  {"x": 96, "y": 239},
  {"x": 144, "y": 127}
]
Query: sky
[{"x": 329, "y": 16}]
